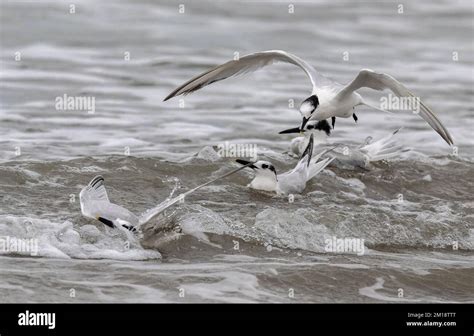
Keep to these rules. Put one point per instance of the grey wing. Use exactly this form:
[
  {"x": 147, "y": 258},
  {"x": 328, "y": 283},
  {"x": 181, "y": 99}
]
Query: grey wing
[
  {"x": 293, "y": 182},
  {"x": 95, "y": 190},
  {"x": 243, "y": 65},
  {"x": 114, "y": 213},
  {"x": 380, "y": 81},
  {"x": 95, "y": 204},
  {"x": 373, "y": 147},
  {"x": 91, "y": 195},
  {"x": 152, "y": 213}
]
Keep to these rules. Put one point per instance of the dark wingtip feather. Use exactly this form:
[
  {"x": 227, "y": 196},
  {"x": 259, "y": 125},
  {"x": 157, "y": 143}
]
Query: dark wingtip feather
[
  {"x": 308, "y": 150},
  {"x": 447, "y": 138},
  {"x": 397, "y": 130},
  {"x": 171, "y": 95},
  {"x": 96, "y": 181}
]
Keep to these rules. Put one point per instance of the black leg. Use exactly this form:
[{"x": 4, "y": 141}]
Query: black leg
[
  {"x": 355, "y": 117},
  {"x": 333, "y": 119}
]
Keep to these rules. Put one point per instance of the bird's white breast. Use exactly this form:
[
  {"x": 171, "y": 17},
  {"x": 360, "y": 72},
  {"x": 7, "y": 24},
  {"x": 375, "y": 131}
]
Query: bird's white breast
[
  {"x": 331, "y": 106},
  {"x": 263, "y": 183}
]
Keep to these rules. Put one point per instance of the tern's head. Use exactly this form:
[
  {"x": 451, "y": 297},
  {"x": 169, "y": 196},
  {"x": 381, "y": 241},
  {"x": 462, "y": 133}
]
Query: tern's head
[
  {"x": 265, "y": 175},
  {"x": 264, "y": 171},
  {"x": 260, "y": 167},
  {"x": 307, "y": 108},
  {"x": 311, "y": 127}
]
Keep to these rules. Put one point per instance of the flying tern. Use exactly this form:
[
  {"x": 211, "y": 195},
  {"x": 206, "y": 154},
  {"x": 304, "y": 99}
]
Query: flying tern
[
  {"x": 328, "y": 99},
  {"x": 291, "y": 182}
]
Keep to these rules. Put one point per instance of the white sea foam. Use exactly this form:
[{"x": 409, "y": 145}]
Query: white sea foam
[{"x": 64, "y": 240}]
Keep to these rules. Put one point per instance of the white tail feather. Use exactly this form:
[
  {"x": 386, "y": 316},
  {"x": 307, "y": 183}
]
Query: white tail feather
[
  {"x": 316, "y": 167},
  {"x": 384, "y": 148}
]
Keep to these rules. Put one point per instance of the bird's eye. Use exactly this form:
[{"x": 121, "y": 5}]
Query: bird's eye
[
  {"x": 264, "y": 166},
  {"x": 310, "y": 127}
]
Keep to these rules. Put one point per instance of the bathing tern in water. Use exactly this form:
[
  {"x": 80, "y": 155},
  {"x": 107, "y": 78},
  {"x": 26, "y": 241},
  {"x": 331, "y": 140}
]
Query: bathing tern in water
[
  {"x": 291, "y": 182},
  {"x": 95, "y": 204},
  {"x": 328, "y": 99},
  {"x": 346, "y": 156}
]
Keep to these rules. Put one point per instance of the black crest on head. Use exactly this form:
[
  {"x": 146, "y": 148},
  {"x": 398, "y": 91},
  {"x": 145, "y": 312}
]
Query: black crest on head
[
  {"x": 270, "y": 167},
  {"x": 323, "y": 125}
]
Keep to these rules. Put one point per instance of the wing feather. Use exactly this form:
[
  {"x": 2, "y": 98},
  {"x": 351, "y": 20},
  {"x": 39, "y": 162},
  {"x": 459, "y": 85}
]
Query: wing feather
[
  {"x": 152, "y": 213},
  {"x": 243, "y": 65},
  {"x": 381, "y": 81},
  {"x": 95, "y": 190}
]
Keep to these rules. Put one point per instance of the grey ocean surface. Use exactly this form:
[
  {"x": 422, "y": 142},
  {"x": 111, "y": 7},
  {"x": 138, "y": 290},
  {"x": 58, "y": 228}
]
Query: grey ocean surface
[{"x": 226, "y": 243}]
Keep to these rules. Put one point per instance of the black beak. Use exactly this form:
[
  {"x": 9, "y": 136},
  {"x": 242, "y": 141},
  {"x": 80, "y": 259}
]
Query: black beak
[
  {"x": 303, "y": 123},
  {"x": 246, "y": 163},
  {"x": 291, "y": 130}
]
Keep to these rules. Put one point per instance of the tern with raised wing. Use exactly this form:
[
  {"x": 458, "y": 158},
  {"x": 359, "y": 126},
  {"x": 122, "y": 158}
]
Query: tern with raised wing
[
  {"x": 346, "y": 156},
  {"x": 95, "y": 204},
  {"x": 291, "y": 182},
  {"x": 328, "y": 100}
]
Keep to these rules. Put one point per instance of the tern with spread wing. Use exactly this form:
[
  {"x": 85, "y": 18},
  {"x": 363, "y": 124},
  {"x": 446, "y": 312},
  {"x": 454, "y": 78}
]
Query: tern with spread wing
[
  {"x": 95, "y": 204},
  {"x": 291, "y": 182},
  {"x": 346, "y": 156},
  {"x": 328, "y": 98}
]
